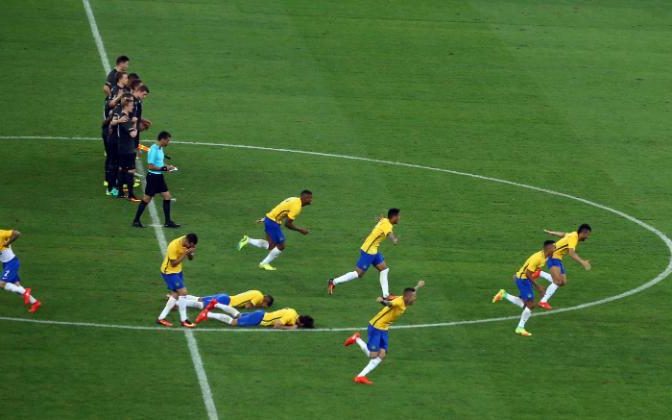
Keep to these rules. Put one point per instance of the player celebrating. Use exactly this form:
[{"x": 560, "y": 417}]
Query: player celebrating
[
  {"x": 525, "y": 280},
  {"x": 377, "y": 333},
  {"x": 10, "y": 279},
  {"x": 171, "y": 271},
  {"x": 564, "y": 246},
  {"x": 228, "y": 304},
  {"x": 369, "y": 254},
  {"x": 286, "y": 211},
  {"x": 284, "y": 319}
]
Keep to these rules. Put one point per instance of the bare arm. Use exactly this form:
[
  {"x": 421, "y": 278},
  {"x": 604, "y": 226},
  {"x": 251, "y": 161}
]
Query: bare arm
[
  {"x": 393, "y": 238},
  {"x": 289, "y": 223},
  {"x": 555, "y": 233},
  {"x": 14, "y": 237},
  {"x": 106, "y": 89},
  {"x": 536, "y": 285},
  {"x": 577, "y": 258},
  {"x": 280, "y": 326},
  {"x": 189, "y": 254}
]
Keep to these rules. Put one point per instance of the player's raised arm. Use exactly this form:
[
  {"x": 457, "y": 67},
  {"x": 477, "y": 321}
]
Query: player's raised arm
[
  {"x": 555, "y": 233},
  {"x": 15, "y": 235},
  {"x": 421, "y": 283}
]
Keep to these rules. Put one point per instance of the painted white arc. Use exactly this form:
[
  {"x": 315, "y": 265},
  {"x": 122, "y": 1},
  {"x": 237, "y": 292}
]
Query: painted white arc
[
  {"x": 210, "y": 407},
  {"x": 657, "y": 279}
]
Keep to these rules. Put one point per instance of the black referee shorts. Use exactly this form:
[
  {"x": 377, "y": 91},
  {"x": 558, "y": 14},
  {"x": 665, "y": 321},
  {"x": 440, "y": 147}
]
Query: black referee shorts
[{"x": 156, "y": 184}]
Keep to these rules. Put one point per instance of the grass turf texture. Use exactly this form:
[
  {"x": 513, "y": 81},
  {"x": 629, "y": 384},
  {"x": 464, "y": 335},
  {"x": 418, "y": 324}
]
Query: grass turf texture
[{"x": 567, "y": 97}]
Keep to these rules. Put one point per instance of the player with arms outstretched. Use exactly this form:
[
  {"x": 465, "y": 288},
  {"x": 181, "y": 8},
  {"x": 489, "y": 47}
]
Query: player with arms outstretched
[
  {"x": 370, "y": 255},
  {"x": 525, "y": 280},
  {"x": 565, "y": 246},
  {"x": 10, "y": 280},
  {"x": 287, "y": 211},
  {"x": 377, "y": 333}
]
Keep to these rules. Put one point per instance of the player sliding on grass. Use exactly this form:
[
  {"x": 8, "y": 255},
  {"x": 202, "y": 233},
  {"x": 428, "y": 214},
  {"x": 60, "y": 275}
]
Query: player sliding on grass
[
  {"x": 284, "y": 319},
  {"x": 10, "y": 279},
  {"x": 525, "y": 279},
  {"x": 377, "y": 333},
  {"x": 171, "y": 271},
  {"x": 287, "y": 212},
  {"x": 369, "y": 254},
  {"x": 566, "y": 245}
]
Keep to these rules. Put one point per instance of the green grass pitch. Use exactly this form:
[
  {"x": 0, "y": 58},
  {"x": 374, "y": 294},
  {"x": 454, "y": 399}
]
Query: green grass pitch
[{"x": 572, "y": 96}]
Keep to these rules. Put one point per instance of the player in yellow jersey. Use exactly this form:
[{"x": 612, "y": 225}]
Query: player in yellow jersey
[
  {"x": 565, "y": 246},
  {"x": 286, "y": 212},
  {"x": 375, "y": 348},
  {"x": 228, "y": 304},
  {"x": 284, "y": 319},
  {"x": 178, "y": 250},
  {"x": 10, "y": 280},
  {"x": 369, "y": 254},
  {"x": 525, "y": 280}
]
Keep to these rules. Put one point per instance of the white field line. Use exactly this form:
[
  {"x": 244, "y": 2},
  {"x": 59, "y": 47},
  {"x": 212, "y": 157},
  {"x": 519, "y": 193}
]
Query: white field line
[
  {"x": 160, "y": 236},
  {"x": 657, "y": 279}
]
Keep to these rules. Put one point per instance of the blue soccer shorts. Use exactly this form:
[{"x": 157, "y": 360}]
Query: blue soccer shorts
[
  {"x": 274, "y": 231},
  {"x": 251, "y": 319},
  {"x": 555, "y": 262},
  {"x": 174, "y": 281},
  {"x": 366, "y": 260},
  {"x": 10, "y": 271},
  {"x": 376, "y": 339},
  {"x": 222, "y": 298},
  {"x": 526, "y": 289}
]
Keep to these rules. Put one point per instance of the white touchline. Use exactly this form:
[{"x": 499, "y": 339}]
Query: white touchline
[
  {"x": 657, "y": 279},
  {"x": 160, "y": 237}
]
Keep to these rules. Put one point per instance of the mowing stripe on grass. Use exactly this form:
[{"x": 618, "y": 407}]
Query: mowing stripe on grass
[
  {"x": 192, "y": 344},
  {"x": 657, "y": 279}
]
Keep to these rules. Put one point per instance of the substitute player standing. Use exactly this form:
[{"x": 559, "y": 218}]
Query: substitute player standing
[
  {"x": 369, "y": 254},
  {"x": 287, "y": 211},
  {"x": 566, "y": 245},
  {"x": 10, "y": 279},
  {"x": 156, "y": 184},
  {"x": 171, "y": 271},
  {"x": 375, "y": 348},
  {"x": 525, "y": 280}
]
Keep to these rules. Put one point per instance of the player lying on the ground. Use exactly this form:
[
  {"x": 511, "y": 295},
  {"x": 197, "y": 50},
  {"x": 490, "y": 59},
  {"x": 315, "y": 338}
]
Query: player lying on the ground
[
  {"x": 564, "y": 246},
  {"x": 287, "y": 212},
  {"x": 375, "y": 348},
  {"x": 525, "y": 280},
  {"x": 369, "y": 254},
  {"x": 10, "y": 279},
  {"x": 171, "y": 271},
  {"x": 284, "y": 319},
  {"x": 228, "y": 304}
]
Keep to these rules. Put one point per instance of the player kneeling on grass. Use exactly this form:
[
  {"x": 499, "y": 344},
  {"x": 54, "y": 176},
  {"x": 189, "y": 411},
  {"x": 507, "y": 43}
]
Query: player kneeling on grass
[
  {"x": 526, "y": 279},
  {"x": 284, "y": 319},
  {"x": 376, "y": 346},
  {"x": 171, "y": 271},
  {"x": 10, "y": 279}
]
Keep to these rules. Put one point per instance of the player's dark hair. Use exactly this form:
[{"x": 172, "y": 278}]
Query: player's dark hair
[
  {"x": 164, "y": 135},
  {"x": 134, "y": 76},
  {"x": 584, "y": 228},
  {"x": 119, "y": 75},
  {"x": 143, "y": 88},
  {"x": 123, "y": 59},
  {"x": 269, "y": 300},
  {"x": 306, "y": 321},
  {"x": 409, "y": 290},
  {"x": 126, "y": 99},
  {"x": 192, "y": 238},
  {"x": 548, "y": 242},
  {"x": 306, "y": 192},
  {"x": 392, "y": 212},
  {"x": 134, "y": 83}
]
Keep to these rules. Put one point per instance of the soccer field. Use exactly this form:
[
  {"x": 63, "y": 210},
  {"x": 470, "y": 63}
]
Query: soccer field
[{"x": 484, "y": 121}]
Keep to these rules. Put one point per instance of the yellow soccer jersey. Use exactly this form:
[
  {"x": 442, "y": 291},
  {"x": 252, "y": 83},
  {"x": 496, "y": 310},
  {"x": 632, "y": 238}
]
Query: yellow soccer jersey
[
  {"x": 5, "y": 235},
  {"x": 382, "y": 229},
  {"x": 175, "y": 250},
  {"x": 255, "y": 297},
  {"x": 537, "y": 261},
  {"x": 287, "y": 316},
  {"x": 562, "y": 247},
  {"x": 289, "y": 208},
  {"x": 389, "y": 314}
]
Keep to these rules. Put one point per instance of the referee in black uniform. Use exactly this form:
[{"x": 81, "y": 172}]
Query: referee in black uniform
[{"x": 156, "y": 184}]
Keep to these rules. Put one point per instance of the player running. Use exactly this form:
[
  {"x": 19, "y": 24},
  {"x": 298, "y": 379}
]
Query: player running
[
  {"x": 171, "y": 271},
  {"x": 567, "y": 245},
  {"x": 526, "y": 279},
  {"x": 10, "y": 279},
  {"x": 287, "y": 212},
  {"x": 377, "y": 333},
  {"x": 369, "y": 254},
  {"x": 284, "y": 319}
]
